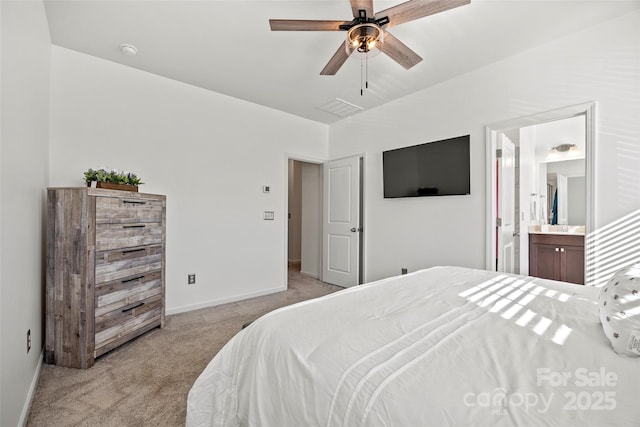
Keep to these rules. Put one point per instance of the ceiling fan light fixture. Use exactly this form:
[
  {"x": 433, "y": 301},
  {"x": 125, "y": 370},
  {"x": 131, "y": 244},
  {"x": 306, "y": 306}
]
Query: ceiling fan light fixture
[
  {"x": 563, "y": 148},
  {"x": 365, "y": 32},
  {"x": 363, "y": 40}
]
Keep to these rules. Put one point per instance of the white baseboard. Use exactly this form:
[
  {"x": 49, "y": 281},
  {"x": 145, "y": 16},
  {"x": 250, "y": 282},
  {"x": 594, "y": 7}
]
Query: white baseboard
[
  {"x": 212, "y": 303},
  {"x": 24, "y": 416},
  {"x": 313, "y": 275}
]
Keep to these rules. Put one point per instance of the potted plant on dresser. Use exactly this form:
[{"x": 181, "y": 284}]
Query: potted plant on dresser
[{"x": 112, "y": 180}]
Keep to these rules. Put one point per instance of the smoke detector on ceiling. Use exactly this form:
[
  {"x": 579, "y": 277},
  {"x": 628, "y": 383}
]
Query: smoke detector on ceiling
[{"x": 128, "y": 49}]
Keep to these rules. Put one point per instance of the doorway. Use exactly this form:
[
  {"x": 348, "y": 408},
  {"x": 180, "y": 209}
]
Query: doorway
[
  {"x": 342, "y": 223},
  {"x": 324, "y": 236},
  {"x": 304, "y": 217},
  {"x": 544, "y": 164}
]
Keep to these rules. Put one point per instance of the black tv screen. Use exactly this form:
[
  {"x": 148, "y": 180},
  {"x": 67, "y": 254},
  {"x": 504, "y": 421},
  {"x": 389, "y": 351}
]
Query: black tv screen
[{"x": 439, "y": 168}]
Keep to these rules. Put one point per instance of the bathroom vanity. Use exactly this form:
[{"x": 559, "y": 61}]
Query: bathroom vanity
[{"x": 557, "y": 252}]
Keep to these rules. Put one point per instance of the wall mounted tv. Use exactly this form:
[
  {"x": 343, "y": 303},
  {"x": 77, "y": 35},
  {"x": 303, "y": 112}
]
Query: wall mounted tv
[{"x": 439, "y": 168}]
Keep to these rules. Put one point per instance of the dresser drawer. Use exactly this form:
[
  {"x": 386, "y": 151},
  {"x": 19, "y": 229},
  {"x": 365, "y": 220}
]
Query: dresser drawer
[
  {"x": 115, "y": 210},
  {"x": 119, "y": 264},
  {"x": 115, "y": 236},
  {"x": 125, "y": 292},
  {"x": 119, "y": 326}
]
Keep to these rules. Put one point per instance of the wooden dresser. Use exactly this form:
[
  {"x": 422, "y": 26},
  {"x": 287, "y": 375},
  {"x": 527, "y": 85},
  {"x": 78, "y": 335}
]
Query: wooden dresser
[{"x": 105, "y": 271}]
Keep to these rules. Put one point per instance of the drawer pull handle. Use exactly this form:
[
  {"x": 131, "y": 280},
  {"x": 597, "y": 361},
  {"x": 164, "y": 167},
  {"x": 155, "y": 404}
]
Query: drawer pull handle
[
  {"x": 132, "y": 279},
  {"x": 134, "y": 226},
  {"x": 132, "y": 251},
  {"x": 134, "y": 202},
  {"x": 140, "y": 304}
]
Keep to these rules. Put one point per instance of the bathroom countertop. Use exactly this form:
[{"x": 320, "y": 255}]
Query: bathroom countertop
[{"x": 571, "y": 230}]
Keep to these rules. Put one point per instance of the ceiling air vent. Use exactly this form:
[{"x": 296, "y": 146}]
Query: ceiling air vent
[{"x": 340, "y": 108}]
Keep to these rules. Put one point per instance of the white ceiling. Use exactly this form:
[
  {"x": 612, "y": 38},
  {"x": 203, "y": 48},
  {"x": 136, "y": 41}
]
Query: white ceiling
[{"x": 227, "y": 46}]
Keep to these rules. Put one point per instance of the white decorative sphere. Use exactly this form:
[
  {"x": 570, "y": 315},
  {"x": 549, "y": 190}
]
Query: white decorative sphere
[{"x": 619, "y": 311}]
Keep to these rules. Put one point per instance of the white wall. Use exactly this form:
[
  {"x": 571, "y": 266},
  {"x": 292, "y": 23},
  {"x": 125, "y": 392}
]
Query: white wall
[
  {"x": 295, "y": 210},
  {"x": 209, "y": 153},
  {"x": 576, "y": 200},
  {"x": 311, "y": 219},
  {"x": 529, "y": 180},
  {"x": 601, "y": 63},
  {"x": 23, "y": 179},
  {"x": 575, "y": 167}
]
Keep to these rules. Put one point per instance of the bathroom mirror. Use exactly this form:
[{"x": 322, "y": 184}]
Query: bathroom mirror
[{"x": 566, "y": 190}]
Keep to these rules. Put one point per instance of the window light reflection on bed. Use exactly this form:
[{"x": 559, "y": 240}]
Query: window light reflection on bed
[
  {"x": 632, "y": 312},
  {"x": 542, "y": 325},
  {"x": 483, "y": 285},
  {"x": 509, "y": 295},
  {"x": 512, "y": 311},
  {"x": 537, "y": 291},
  {"x": 489, "y": 300},
  {"x": 629, "y": 298},
  {"x": 526, "y": 318},
  {"x": 561, "y": 335}
]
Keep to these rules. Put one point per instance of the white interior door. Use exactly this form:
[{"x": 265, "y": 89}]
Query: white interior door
[
  {"x": 341, "y": 222},
  {"x": 506, "y": 166}
]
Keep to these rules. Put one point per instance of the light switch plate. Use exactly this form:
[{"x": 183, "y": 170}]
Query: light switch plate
[{"x": 269, "y": 215}]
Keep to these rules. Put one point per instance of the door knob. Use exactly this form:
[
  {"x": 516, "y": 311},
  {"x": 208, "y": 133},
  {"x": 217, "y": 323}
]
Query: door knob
[{"x": 353, "y": 230}]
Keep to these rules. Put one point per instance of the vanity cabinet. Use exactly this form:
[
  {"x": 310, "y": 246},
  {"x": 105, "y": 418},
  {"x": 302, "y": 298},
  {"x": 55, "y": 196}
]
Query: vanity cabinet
[
  {"x": 105, "y": 281},
  {"x": 557, "y": 257}
]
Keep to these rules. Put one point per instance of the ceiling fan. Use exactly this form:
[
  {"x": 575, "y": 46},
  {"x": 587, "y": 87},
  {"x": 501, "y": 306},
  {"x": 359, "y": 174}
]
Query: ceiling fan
[{"x": 367, "y": 31}]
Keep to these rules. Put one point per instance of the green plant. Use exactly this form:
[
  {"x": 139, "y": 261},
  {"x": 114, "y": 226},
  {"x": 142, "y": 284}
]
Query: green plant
[{"x": 114, "y": 176}]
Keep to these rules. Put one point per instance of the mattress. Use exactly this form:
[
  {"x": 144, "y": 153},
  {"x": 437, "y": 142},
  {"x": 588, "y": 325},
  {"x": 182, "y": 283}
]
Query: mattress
[{"x": 446, "y": 346}]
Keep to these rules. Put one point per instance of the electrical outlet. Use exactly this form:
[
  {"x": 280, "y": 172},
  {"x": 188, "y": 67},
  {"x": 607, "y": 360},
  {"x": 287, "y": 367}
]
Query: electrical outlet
[
  {"x": 28, "y": 340},
  {"x": 269, "y": 215},
  {"x": 403, "y": 270},
  {"x": 191, "y": 279}
]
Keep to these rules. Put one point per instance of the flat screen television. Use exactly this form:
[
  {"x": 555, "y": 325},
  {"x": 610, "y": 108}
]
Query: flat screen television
[{"x": 439, "y": 168}]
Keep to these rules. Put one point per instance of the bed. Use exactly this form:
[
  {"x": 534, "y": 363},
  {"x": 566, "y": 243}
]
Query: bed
[{"x": 445, "y": 346}]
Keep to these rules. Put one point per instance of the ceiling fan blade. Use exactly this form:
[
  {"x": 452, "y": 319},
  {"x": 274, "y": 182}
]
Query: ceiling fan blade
[
  {"x": 398, "y": 51},
  {"x": 415, "y": 9},
  {"x": 336, "y": 61},
  {"x": 304, "y": 25},
  {"x": 358, "y": 5}
]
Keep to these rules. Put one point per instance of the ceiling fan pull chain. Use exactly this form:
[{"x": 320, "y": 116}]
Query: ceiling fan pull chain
[
  {"x": 364, "y": 73},
  {"x": 361, "y": 87},
  {"x": 366, "y": 68}
]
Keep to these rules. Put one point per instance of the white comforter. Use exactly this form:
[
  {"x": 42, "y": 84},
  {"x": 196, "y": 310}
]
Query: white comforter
[{"x": 445, "y": 346}]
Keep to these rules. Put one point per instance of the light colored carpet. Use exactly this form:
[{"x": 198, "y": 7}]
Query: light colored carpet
[{"x": 145, "y": 382}]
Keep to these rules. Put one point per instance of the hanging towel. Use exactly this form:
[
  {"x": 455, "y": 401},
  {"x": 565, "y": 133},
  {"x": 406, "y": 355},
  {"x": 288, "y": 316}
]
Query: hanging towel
[{"x": 554, "y": 209}]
